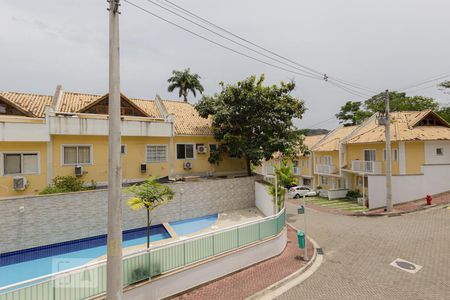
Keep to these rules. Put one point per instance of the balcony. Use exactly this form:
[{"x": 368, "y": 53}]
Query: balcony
[
  {"x": 326, "y": 169},
  {"x": 364, "y": 166},
  {"x": 297, "y": 171}
]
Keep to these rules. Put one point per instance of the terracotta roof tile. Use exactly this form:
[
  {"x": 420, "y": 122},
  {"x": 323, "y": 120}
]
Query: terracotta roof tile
[
  {"x": 331, "y": 141},
  {"x": 33, "y": 103},
  {"x": 187, "y": 120},
  {"x": 402, "y": 129}
]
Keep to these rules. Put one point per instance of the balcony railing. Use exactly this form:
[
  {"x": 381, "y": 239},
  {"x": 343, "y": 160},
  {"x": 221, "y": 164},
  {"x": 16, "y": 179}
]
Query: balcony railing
[
  {"x": 326, "y": 169},
  {"x": 297, "y": 171},
  {"x": 90, "y": 280},
  {"x": 364, "y": 166}
]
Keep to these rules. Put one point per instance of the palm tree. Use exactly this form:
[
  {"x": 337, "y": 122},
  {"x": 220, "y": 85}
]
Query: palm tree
[
  {"x": 149, "y": 195},
  {"x": 285, "y": 180},
  {"x": 185, "y": 82}
]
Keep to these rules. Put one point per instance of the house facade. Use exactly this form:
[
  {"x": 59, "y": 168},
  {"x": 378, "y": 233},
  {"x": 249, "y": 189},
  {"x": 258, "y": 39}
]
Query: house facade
[
  {"x": 353, "y": 158},
  {"x": 67, "y": 134}
]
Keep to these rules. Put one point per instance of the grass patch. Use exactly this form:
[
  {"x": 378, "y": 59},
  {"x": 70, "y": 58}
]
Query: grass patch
[{"x": 343, "y": 204}]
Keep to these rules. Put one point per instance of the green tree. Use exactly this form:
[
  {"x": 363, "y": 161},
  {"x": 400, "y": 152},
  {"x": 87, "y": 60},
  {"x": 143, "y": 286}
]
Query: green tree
[
  {"x": 400, "y": 102},
  {"x": 444, "y": 85},
  {"x": 254, "y": 120},
  {"x": 444, "y": 112},
  {"x": 149, "y": 195},
  {"x": 185, "y": 82},
  {"x": 351, "y": 113},
  {"x": 285, "y": 179}
]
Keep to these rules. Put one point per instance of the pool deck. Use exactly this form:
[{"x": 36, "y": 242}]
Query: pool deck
[{"x": 224, "y": 220}]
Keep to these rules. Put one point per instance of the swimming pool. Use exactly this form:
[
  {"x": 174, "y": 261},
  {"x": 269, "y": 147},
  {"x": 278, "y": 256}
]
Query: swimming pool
[
  {"x": 35, "y": 262},
  {"x": 188, "y": 226}
]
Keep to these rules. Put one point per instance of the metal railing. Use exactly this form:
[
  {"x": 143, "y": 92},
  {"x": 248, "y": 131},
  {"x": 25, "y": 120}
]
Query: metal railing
[
  {"x": 364, "y": 166},
  {"x": 326, "y": 169},
  {"x": 90, "y": 280}
]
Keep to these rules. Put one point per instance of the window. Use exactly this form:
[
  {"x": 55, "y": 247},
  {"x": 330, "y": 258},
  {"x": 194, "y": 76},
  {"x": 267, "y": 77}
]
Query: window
[
  {"x": 306, "y": 181},
  {"x": 185, "y": 151},
  {"x": 20, "y": 163},
  {"x": 327, "y": 160},
  {"x": 156, "y": 153},
  {"x": 212, "y": 148},
  {"x": 2, "y": 108},
  {"x": 295, "y": 163},
  {"x": 369, "y": 155},
  {"x": 123, "y": 149},
  {"x": 324, "y": 179},
  {"x": 440, "y": 151},
  {"x": 394, "y": 154},
  {"x": 77, "y": 155}
]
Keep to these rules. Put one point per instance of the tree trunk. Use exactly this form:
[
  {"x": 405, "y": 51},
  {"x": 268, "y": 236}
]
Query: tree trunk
[
  {"x": 148, "y": 229},
  {"x": 247, "y": 165},
  {"x": 185, "y": 97}
]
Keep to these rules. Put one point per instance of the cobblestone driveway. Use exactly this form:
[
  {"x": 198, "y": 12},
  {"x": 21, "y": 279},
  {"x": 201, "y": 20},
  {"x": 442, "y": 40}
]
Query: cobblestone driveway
[{"x": 358, "y": 251}]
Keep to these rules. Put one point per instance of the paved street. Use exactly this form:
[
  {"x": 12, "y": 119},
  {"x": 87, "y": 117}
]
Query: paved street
[{"x": 358, "y": 251}]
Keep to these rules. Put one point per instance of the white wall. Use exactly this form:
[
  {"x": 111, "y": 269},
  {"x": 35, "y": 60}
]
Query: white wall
[
  {"x": 263, "y": 200},
  {"x": 188, "y": 278},
  {"x": 435, "y": 179},
  {"x": 337, "y": 194},
  {"x": 23, "y": 132},
  {"x": 430, "y": 152}
]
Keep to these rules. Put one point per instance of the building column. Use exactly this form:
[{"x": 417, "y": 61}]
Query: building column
[{"x": 402, "y": 158}]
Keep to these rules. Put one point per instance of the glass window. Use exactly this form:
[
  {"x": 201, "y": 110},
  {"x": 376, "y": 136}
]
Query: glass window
[
  {"x": 369, "y": 155},
  {"x": 123, "y": 149},
  {"x": 439, "y": 151},
  {"x": 156, "y": 153},
  {"x": 185, "y": 151},
  {"x": 20, "y": 163},
  {"x": 74, "y": 155},
  {"x": 327, "y": 160},
  {"x": 212, "y": 147},
  {"x": 394, "y": 154}
]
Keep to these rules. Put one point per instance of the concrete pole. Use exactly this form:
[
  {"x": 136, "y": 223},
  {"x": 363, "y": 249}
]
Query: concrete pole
[
  {"x": 304, "y": 216},
  {"x": 114, "y": 254},
  {"x": 388, "y": 156}
]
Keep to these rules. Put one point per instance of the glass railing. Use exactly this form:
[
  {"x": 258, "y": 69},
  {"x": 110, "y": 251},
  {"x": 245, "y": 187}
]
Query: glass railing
[{"x": 90, "y": 280}]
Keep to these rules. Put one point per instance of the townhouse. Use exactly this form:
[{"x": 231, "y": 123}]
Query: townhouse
[
  {"x": 353, "y": 158},
  {"x": 67, "y": 134}
]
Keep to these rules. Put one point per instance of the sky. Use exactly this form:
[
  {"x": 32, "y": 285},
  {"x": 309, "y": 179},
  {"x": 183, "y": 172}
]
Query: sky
[{"x": 380, "y": 44}]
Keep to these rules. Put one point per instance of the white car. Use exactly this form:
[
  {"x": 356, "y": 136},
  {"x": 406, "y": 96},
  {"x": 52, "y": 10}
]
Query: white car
[{"x": 300, "y": 191}]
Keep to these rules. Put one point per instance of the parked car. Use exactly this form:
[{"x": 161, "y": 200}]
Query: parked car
[{"x": 300, "y": 191}]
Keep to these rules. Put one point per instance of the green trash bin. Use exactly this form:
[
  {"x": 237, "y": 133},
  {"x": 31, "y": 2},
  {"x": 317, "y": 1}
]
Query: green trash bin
[
  {"x": 301, "y": 239},
  {"x": 301, "y": 210}
]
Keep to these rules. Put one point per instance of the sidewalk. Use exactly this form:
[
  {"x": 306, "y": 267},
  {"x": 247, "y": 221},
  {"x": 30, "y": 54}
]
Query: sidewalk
[
  {"x": 253, "y": 279},
  {"x": 335, "y": 208},
  {"x": 438, "y": 199}
]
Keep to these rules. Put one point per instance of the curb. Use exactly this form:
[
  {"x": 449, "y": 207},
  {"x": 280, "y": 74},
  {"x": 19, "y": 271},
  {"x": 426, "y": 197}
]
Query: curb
[
  {"x": 399, "y": 213},
  {"x": 292, "y": 280}
]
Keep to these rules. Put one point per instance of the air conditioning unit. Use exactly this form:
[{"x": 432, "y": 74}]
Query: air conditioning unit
[
  {"x": 143, "y": 168},
  {"x": 187, "y": 165},
  {"x": 201, "y": 149},
  {"x": 78, "y": 171},
  {"x": 19, "y": 183}
]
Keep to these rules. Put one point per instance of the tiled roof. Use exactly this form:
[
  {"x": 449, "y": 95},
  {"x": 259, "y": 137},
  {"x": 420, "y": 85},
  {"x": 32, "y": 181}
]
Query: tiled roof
[
  {"x": 74, "y": 102},
  {"x": 311, "y": 140},
  {"x": 187, "y": 120},
  {"x": 403, "y": 128},
  {"x": 32, "y": 104},
  {"x": 331, "y": 141}
]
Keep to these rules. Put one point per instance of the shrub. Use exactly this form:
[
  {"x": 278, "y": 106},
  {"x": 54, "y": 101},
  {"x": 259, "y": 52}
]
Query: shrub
[
  {"x": 353, "y": 194},
  {"x": 318, "y": 188},
  {"x": 65, "y": 184}
]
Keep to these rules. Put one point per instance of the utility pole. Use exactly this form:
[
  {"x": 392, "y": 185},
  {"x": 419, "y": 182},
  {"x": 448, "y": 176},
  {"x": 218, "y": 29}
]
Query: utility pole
[
  {"x": 388, "y": 155},
  {"x": 114, "y": 253}
]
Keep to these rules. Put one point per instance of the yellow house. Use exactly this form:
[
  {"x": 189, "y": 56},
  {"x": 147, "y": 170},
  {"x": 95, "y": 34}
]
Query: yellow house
[
  {"x": 67, "y": 134},
  {"x": 420, "y": 152},
  {"x": 303, "y": 164},
  {"x": 327, "y": 162}
]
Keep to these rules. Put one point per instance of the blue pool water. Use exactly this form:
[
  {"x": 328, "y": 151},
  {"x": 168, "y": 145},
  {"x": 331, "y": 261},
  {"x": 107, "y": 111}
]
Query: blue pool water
[
  {"x": 31, "y": 263},
  {"x": 192, "y": 225}
]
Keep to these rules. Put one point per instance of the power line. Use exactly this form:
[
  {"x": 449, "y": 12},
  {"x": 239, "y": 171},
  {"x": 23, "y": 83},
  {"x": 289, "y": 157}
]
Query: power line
[
  {"x": 181, "y": 9},
  {"x": 319, "y": 76},
  {"x": 321, "y": 122},
  {"x": 427, "y": 80},
  {"x": 308, "y": 70},
  {"x": 214, "y": 42}
]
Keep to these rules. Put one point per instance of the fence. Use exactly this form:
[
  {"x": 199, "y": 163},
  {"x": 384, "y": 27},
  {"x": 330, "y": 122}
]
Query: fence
[{"x": 90, "y": 280}]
